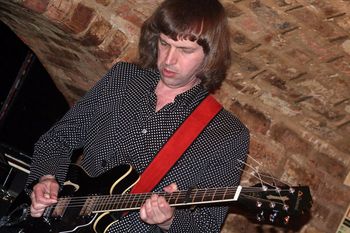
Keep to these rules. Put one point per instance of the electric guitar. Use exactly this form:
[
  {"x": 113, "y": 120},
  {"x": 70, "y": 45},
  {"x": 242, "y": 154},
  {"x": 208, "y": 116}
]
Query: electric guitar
[{"x": 94, "y": 203}]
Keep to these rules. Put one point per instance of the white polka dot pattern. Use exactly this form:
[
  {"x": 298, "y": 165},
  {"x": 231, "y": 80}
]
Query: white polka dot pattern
[{"x": 116, "y": 123}]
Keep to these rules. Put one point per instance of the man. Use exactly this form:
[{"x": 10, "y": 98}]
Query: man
[{"x": 132, "y": 111}]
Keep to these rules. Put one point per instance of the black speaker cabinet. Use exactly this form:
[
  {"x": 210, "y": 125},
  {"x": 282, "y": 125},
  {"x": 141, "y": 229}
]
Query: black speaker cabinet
[{"x": 14, "y": 169}]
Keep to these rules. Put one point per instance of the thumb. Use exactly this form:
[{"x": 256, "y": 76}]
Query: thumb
[{"x": 171, "y": 188}]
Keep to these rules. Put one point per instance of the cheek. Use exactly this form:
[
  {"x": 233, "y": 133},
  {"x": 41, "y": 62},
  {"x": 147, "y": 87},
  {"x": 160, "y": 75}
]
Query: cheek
[
  {"x": 196, "y": 64},
  {"x": 160, "y": 56}
]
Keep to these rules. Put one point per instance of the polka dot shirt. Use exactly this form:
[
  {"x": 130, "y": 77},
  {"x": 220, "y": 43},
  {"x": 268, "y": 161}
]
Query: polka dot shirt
[{"x": 116, "y": 123}]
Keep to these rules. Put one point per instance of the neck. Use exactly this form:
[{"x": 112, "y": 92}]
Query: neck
[{"x": 166, "y": 94}]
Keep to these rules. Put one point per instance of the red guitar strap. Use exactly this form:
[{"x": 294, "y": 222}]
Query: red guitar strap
[{"x": 177, "y": 144}]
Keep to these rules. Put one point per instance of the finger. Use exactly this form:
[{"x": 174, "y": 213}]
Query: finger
[
  {"x": 54, "y": 187},
  {"x": 171, "y": 188},
  {"x": 36, "y": 205},
  {"x": 47, "y": 195},
  {"x": 46, "y": 192},
  {"x": 35, "y": 213},
  {"x": 143, "y": 214},
  {"x": 165, "y": 208},
  {"x": 148, "y": 208},
  {"x": 154, "y": 200},
  {"x": 161, "y": 209},
  {"x": 50, "y": 188},
  {"x": 36, "y": 210},
  {"x": 44, "y": 197}
]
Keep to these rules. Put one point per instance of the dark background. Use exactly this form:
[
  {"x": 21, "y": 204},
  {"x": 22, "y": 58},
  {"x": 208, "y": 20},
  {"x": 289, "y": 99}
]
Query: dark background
[
  {"x": 38, "y": 103},
  {"x": 34, "y": 107}
]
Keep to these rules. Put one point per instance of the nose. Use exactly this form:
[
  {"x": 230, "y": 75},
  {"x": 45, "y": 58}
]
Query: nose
[{"x": 171, "y": 56}]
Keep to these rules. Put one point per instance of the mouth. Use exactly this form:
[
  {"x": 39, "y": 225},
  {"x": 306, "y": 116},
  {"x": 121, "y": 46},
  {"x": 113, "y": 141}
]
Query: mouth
[{"x": 168, "y": 73}]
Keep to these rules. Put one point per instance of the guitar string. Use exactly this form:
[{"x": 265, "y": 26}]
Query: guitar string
[
  {"x": 251, "y": 189},
  {"x": 260, "y": 175},
  {"x": 263, "y": 183},
  {"x": 127, "y": 199},
  {"x": 276, "y": 189}
]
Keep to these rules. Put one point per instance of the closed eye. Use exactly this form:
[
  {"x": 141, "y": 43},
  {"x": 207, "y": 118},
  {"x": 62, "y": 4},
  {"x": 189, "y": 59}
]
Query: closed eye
[
  {"x": 187, "y": 50},
  {"x": 162, "y": 42}
]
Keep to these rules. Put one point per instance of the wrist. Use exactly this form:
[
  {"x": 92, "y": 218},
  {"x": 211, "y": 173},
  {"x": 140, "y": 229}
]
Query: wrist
[
  {"x": 47, "y": 177},
  {"x": 29, "y": 188},
  {"x": 165, "y": 226}
]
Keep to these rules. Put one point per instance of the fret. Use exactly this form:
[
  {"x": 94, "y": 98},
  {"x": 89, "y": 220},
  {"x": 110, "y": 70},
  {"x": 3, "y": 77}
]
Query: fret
[
  {"x": 203, "y": 196},
  {"x": 194, "y": 195},
  {"x": 105, "y": 203},
  {"x": 128, "y": 201},
  {"x": 226, "y": 194},
  {"x": 209, "y": 195},
  {"x": 197, "y": 195},
  {"x": 222, "y": 194},
  {"x": 137, "y": 200},
  {"x": 170, "y": 198},
  {"x": 123, "y": 201},
  {"x": 117, "y": 201},
  {"x": 113, "y": 202},
  {"x": 109, "y": 202},
  {"x": 99, "y": 203},
  {"x": 178, "y": 197},
  {"x": 141, "y": 199},
  {"x": 214, "y": 196}
]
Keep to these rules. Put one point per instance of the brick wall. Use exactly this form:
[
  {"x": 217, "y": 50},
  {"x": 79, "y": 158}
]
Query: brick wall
[{"x": 289, "y": 83}]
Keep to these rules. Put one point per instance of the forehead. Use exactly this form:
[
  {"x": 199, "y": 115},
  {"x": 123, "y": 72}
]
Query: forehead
[{"x": 180, "y": 42}]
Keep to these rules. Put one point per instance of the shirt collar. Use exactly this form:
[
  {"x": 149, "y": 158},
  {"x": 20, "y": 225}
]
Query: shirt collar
[{"x": 189, "y": 98}]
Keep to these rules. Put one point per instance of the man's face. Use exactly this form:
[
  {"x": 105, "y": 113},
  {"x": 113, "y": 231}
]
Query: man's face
[{"x": 179, "y": 61}]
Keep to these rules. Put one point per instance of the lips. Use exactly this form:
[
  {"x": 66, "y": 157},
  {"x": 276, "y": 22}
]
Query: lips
[{"x": 168, "y": 73}]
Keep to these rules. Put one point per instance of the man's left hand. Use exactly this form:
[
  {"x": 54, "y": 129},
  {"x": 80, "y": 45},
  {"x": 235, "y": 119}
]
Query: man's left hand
[{"x": 157, "y": 210}]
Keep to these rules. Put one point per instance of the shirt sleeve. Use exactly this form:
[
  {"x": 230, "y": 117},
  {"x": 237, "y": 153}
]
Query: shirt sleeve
[{"x": 53, "y": 150}]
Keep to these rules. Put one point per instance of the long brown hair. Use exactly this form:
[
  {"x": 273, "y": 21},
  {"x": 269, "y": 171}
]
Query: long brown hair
[{"x": 203, "y": 21}]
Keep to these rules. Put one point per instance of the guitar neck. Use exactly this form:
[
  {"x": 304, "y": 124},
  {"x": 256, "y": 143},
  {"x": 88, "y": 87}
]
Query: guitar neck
[{"x": 125, "y": 202}]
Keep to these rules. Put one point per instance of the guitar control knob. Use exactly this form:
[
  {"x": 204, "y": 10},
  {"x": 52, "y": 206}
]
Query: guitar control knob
[
  {"x": 260, "y": 216},
  {"x": 286, "y": 220},
  {"x": 272, "y": 217},
  {"x": 272, "y": 204},
  {"x": 259, "y": 204},
  {"x": 278, "y": 190}
]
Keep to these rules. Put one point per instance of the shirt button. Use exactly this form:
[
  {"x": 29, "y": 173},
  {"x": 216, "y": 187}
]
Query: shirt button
[{"x": 144, "y": 131}]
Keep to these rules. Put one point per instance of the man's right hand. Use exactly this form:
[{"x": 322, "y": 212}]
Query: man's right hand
[{"x": 44, "y": 194}]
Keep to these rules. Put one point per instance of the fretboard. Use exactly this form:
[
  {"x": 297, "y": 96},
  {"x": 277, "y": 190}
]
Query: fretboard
[{"x": 125, "y": 202}]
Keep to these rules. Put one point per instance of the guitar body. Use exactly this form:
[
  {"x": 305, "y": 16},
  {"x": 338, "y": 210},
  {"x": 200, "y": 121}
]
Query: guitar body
[{"x": 75, "y": 219}]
